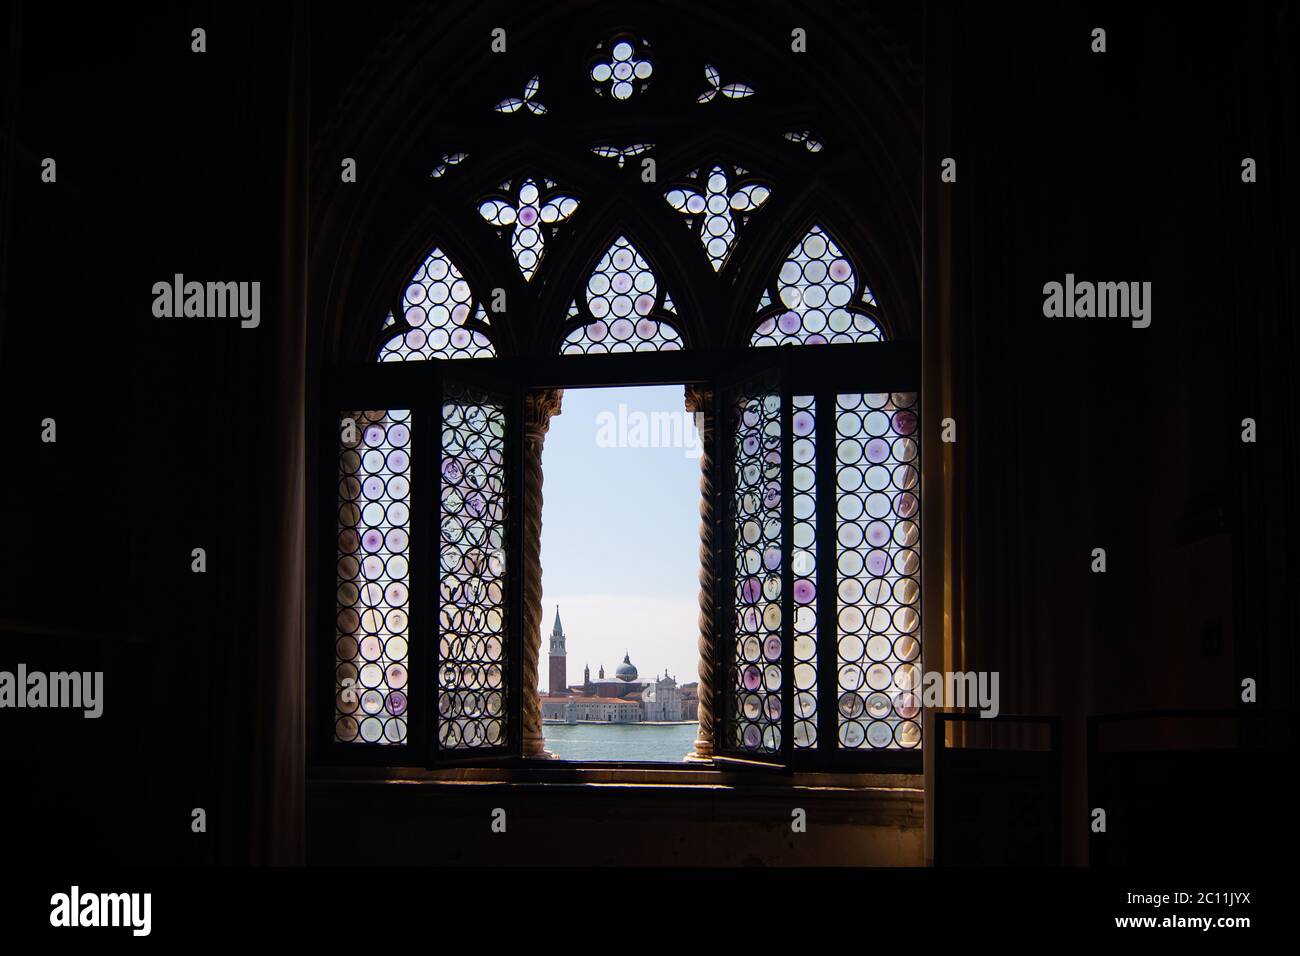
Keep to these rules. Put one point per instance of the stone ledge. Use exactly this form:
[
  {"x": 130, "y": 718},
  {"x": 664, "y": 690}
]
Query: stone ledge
[{"x": 881, "y": 800}]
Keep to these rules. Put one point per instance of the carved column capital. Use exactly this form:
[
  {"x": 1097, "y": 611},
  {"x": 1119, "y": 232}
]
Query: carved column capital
[
  {"x": 539, "y": 407},
  {"x": 699, "y": 398}
]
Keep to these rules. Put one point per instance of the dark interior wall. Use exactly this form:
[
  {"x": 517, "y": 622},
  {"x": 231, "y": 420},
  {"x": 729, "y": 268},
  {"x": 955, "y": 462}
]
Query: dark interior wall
[
  {"x": 167, "y": 162},
  {"x": 348, "y": 823},
  {"x": 1122, "y": 166},
  {"x": 1089, "y": 433}
]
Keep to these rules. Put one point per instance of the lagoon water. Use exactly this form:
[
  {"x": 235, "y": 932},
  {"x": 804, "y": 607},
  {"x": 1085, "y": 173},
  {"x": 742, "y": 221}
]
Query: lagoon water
[{"x": 667, "y": 743}]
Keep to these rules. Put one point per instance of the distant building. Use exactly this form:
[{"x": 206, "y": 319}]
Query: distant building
[
  {"x": 559, "y": 659},
  {"x": 623, "y": 699},
  {"x": 691, "y": 701},
  {"x": 604, "y": 710},
  {"x": 662, "y": 700}
]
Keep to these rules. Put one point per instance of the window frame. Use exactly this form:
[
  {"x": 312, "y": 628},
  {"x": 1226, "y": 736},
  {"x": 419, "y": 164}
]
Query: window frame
[
  {"x": 821, "y": 371},
  {"x": 421, "y": 390},
  {"x": 858, "y": 183}
]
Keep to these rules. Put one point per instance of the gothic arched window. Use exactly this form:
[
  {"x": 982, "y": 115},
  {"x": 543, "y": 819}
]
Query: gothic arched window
[
  {"x": 437, "y": 307},
  {"x": 646, "y": 211},
  {"x": 817, "y": 298},
  {"x": 623, "y": 308}
]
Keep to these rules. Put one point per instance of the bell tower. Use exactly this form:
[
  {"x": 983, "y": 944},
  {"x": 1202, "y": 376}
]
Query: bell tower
[{"x": 559, "y": 661}]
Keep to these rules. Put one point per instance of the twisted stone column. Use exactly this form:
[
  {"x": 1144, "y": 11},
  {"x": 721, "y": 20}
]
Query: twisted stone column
[
  {"x": 699, "y": 401},
  {"x": 539, "y": 406}
]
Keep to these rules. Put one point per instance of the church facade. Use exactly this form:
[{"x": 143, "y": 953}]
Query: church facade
[{"x": 625, "y": 698}]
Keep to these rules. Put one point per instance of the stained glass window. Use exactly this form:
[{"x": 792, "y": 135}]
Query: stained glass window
[
  {"x": 622, "y": 153},
  {"x": 437, "y": 304},
  {"x": 623, "y": 70},
  {"x": 471, "y": 573},
  {"x": 817, "y": 299},
  {"x": 754, "y": 681},
  {"x": 730, "y": 91},
  {"x": 806, "y": 139},
  {"x": 804, "y": 563},
  {"x": 527, "y": 217},
  {"x": 529, "y": 101},
  {"x": 373, "y": 599},
  {"x": 623, "y": 309},
  {"x": 878, "y": 566},
  {"x": 448, "y": 160},
  {"x": 827, "y": 466},
  {"x": 715, "y": 205}
]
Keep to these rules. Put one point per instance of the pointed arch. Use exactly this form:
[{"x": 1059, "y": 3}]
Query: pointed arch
[
  {"x": 440, "y": 317},
  {"x": 671, "y": 220},
  {"x": 410, "y": 111},
  {"x": 623, "y": 308},
  {"x": 817, "y": 297}
]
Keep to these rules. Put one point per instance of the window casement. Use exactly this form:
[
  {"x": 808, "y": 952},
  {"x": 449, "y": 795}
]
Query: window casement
[
  {"x": 430, "y": 472},
  {"x": 818, "y": 655},
  {"x": 425, "y": 567}
]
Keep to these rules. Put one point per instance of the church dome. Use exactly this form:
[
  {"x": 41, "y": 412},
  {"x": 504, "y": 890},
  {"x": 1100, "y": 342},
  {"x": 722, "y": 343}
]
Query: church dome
[{"x": 626, "y": 670}]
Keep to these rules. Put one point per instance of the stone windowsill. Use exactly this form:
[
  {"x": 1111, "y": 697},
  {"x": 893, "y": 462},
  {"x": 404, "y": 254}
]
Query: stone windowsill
[{"x": 880, "y": 799}]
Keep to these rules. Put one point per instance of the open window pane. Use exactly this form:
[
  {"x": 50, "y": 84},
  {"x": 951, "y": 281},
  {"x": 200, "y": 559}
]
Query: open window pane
[
  {"x": 878, "y": 570},
  {"x": 753, "y": 687},
  {"x": 373, "y": 587},
  {"x": 803, "y": 425},
  {"x": 620, "y": 545},
  {"x": 472, "y": 692}
]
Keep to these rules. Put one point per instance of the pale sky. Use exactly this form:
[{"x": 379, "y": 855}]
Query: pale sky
[{"x": 620, "y": 532}]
